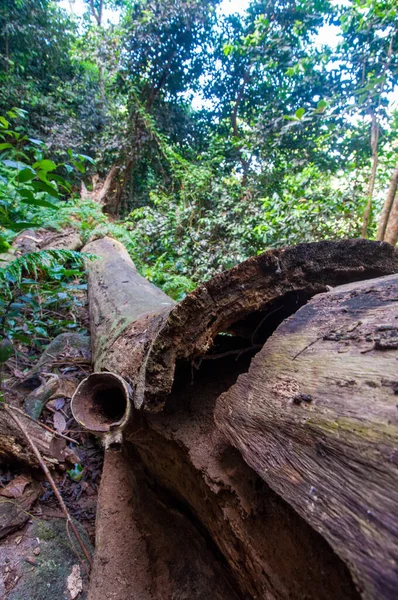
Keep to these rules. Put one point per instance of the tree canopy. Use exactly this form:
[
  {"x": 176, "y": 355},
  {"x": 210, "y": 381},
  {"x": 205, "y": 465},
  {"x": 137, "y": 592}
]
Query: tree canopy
[{"x": 217, "y": 135}]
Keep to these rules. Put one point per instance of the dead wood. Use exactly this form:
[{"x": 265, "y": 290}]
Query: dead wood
[
  {"x": 32, "y": 240},
  {"x": 271, "y": 552},
  {"x": 147, "y": 550},
  {"x": 389, "y": 201},
  {"x": 107, "y": 192},
  {"x": 33, "y": 446},
  {"x": 138, "y": 332},
  {"x": 36, "y": 400},
  {"x": 391, "y": 234},
  {"x": 13, "y": 447},
  {"x": 316, "y": 418}
]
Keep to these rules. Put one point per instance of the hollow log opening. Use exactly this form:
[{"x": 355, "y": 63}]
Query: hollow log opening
[{"x": 101, "y": 402}]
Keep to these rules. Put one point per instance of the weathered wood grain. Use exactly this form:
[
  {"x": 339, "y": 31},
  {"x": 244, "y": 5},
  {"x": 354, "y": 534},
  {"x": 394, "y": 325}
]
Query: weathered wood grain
[
  {"x": 316, "y": 418},
  {"x": 140, "y": 333}
]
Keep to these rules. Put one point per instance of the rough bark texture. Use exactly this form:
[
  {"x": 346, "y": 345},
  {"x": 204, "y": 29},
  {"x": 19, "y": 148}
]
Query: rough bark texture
[
  {"x": 123, "y": 304},
  {"x": 183, "y": 480},
  {"x": 316, "y": 418},
  {"x": 271, "y": 552},
  {"x": 139, "y": 333},
  {"x": 32, "y": 240},
  {"x": 107, "y": 192},
  {"x": 391, "y": 235},
  {"x": 385, "y": 213}
]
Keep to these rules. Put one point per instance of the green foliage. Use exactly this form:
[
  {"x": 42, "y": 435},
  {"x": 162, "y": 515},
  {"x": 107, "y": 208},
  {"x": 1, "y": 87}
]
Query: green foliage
[
  {"x": 38, "y": 291},
  {"x": 28, "y": 180},
  {"x": 278, "y": 152}
]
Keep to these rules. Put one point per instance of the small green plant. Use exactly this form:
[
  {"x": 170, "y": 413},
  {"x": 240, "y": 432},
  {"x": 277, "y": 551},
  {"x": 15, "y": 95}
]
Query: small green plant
[
  {"x": 39, "y": 292},
  {"x": 29, "y": 182}
]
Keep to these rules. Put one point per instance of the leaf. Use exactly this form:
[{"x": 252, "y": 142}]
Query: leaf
[
  {"x": 36, "y": 142},
  {"x": 20, "y": 225},
  {"x": 61, "y": 181},
  {"x": 5, "y": 145},
  {"x": 85, "y": 157},
  {"x": 6, "y": 350},
  {"x": 76, "y": 473},
  {"x": 14, "y": 164},
  {"x": 300, "y": 113},
  {"x": 79, "y": 166},
  {"x": 45, "y": 165},
  {"x": 59, "y": 421},
  {"x": 322, "y": 104},
  {"x": 37, "y": 201},
  {"x": 45, "y": 187},
  {"x": 21, "y": 338},
  {"x": 59, "y": 403},
  {"x": 26, "y": 175},
  {"x": 4, "y": 122},
  {"x": 16, "y": 487},
  {"x": 41, "y": 331}
]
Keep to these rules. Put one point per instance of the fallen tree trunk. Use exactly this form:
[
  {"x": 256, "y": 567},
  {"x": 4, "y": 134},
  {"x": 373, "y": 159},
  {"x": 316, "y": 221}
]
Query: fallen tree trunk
[
  {"x": 138, "y": 332},
  {"x": 267, "y": 550},
  {"x": 316, "y": 418}
]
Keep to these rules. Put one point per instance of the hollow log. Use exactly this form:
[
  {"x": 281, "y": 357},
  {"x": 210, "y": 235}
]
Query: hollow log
[
  {"x": 191, "y": 353},
  {"x": 139, "y": 333},
  {"x": 316, "y": 418}
]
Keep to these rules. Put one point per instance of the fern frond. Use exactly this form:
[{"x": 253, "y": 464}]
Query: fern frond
[{"x": 34, "y": 262}]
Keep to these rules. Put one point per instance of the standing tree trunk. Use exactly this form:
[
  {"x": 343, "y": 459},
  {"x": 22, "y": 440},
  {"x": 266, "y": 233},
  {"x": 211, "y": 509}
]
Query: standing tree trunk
[
  {"x": 388, "y": 204},
  {"x": 391, "y": 235},
  {"x": 374, "y": 140}
]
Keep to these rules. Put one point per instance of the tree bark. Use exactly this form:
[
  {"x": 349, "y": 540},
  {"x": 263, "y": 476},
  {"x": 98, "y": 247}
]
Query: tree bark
[
  {"x": 13, "y": 448},
  {"x": 316, "y": 418},
  {"x": 375, "y": 160},
  {"x": 391, "y": 235},
  {"x": 106, "y": 193},
  {"x": 139, "y": 332},
  {"x": 258, "y": 545},
  {"x": 385, "y": 213}
]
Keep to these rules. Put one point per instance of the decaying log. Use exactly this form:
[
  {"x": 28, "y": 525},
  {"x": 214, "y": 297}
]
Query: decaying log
[
  {"x": 32, "y": 240},
  {"x": 139, "y": 333},
  {"x": 126, "y": 311},
  {"x": 316, "y": 418},
  {"x": 146, "y": 550},
  {"x": 269, "y": 551},
  {"x": 107, "y": 192},
  {"x": 13, "y": 446}
]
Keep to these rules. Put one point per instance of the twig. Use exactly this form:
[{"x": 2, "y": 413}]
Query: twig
[
  {"x": 51, "y": 482},
  {"x": 307, "y": 346},
  {"x": 263, "y": 321},
  {"x": 42, "y": 424},
  {"x": 238, "y": 352}
]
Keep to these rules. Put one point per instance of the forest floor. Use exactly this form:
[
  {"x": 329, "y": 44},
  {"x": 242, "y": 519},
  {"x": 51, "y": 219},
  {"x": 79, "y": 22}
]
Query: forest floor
[{"x": 38, "y": 560}]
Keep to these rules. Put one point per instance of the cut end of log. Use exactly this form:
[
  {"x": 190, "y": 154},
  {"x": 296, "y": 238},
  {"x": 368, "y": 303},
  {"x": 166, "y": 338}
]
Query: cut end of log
[{"x": 102, "y": 403}]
